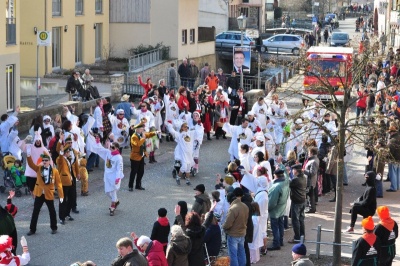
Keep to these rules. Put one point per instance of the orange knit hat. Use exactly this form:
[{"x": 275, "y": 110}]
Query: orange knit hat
[
  {"x": 383, "y": 212},
  {"x": 368, "y": 223}
]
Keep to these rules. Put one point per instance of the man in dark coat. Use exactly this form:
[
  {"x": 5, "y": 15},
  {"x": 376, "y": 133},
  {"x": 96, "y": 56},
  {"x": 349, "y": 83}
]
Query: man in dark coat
[
  {"x": 128, "y": 255},
  {"x": 233, "y": 82},
  {"x": 184, "y": 72}
]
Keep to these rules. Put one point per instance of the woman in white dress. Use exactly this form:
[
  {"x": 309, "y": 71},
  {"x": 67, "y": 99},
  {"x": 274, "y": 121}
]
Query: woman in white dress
[
  {"x": 113, "y": 169},
  {"x": 257, "y": 243}
]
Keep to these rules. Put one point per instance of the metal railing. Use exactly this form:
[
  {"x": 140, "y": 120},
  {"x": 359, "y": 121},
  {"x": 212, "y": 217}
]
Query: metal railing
[
  {"x": 147, "y": 58},
  {"x": 11, "y": 31}
]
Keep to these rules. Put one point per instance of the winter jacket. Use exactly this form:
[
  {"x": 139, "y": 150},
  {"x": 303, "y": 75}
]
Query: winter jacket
[
  {"x": 298, "y": 187},
  {"x": 247, "y": 199},
  {"x": 155, "y": 254},
  {"x": 302, "y": 262},
  {"x": 366, "y": 254},
  {"x": 161, "y": 230},
  {"x": 277, "y": 197},
  {"x": 394, "y": 147},
  {"x": 178, "y": 251},
  {"x": 213, "y": 239},
  {"x": 368, "y": 198},
  {"x": 236, "y": 219},
  {"x": 132, "y": 259},
  {"x": 202, "y": 204},
  {"x": 311, "y": 170}
]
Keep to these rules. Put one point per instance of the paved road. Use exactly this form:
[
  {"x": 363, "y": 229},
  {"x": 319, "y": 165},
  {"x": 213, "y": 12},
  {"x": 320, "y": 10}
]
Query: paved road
[{"x": 94, "y": 233}]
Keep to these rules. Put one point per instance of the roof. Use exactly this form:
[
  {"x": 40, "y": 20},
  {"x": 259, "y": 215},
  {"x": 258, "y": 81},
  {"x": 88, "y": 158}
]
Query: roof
[{"x": 329, "y": 50}]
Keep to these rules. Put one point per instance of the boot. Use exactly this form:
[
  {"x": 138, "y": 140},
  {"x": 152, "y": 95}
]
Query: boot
[
  {"x": 167, "y": 137},
  {"x": 208, "y": 136},
  {"x": 112, "y": 209},
  {"x": 154, "y": 159},
  {"x": 151, "y": 159}
]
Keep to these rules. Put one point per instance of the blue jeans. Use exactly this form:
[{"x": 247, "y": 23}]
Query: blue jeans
[
  {"x": 236, "y": 250},
  {"x": 394, "y": 175},
  {"x": 277, "y": 231},
  {"x": 92, "y": 161},
  {"x": 298, "y": 219},
  {"x": 345, "y": 178},
  {"x": 379, "y": 188}
]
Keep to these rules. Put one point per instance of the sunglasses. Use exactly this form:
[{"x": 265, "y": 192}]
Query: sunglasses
[
  {"x": 45, "y": 160},
  {"x": 121, "y": 114},
  {"x": 112, "y": 147}
]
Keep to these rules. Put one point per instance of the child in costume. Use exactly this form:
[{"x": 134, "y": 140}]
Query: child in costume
[
  {"x": 152, "y": 144},
  {"x": 7, "y": 258},
  {"x": 17, "y": 173},
  {"x": 84, "y": 177}
]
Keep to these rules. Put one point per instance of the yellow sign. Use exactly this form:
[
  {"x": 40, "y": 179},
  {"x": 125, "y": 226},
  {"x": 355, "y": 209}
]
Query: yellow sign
[{"x": 44, "y": 38}]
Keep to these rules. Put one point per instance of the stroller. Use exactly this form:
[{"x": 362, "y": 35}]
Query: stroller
[
  {"x": 91, "y": 91},
  {"x": 177, "y": 166},
  {"x": 9, "y": 182}
]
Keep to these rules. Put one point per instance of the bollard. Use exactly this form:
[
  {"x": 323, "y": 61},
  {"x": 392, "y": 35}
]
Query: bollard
[{"x": 318, "y": 246}]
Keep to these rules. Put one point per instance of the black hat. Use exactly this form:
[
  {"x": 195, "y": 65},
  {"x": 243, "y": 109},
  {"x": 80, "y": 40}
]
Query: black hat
[
  {"x": 238, "y": 192},
  {"x": 200, "y": 187},
  {"x": 162, "y": 212},
  {"x": 140, "y": 125},
  {"x": 297, "y": 166},
  {"x": 230, "y": 197},
  {"x": 279, "y": 172}
]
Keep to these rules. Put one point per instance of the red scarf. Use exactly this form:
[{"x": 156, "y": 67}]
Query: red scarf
[
  {"x": 370, "y": 238},
  {"x": 115, "y": 152},
  {"x": 387, "y": 223}
]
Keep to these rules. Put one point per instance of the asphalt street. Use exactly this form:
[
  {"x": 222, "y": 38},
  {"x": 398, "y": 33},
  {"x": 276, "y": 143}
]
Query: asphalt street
[{"x": 93, "y": 233}]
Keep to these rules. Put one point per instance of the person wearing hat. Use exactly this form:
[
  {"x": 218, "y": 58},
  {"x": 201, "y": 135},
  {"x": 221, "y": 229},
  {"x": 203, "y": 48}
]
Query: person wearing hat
[
  {"x": 126, "y": 106},
  {"x": 138, "y": 152},
  {"x": 235, "y": 227},
  {"x": 254, "y": 123},
  {"x": 299, "y": 252},
  {"x": 366, "y": 204},
  {"x": 127, "y": 255},
  {"x": 298, "y": 191},
  {"x": 278, "y": 195},
  {"x": 241, "y": 135},
  {"x": 394, "y": 167},
  {"x": 120, "y": 129},
  {"x": 171, "y": 112},
  {"x": 68, "y": 169},
  {"x": 47, "y": 179},
  {"x": 261, "y": 110},
  {"x": 367, "y": 249},
  {"x": 48, "y": 128},
  {"x": 387, "y": 230},
  {"x": 202, "y": 203},
  {"x": 261, "y": 197}
]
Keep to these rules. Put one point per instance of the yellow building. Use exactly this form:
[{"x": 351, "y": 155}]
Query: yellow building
[
  {"x": 79, "y": 31},
  {"x": 9, "y": 55}
]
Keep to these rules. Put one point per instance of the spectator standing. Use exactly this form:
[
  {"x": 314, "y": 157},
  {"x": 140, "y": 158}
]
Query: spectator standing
[
  {"x": 127, "y": 255},
  {"x": 204, "y": 72},
  {"x": 212, "y": 82},
  {"x": 394, "y": 167},
  {"x": 194, "y": 74},
  {"x": 184, "y": 72},
  {"x": 235, "y": 227},
  {"x": 202, "y": 203},
  {"x": 172, "y": 81},
  {"x": 233, "y": 82},
  {"x": 311, "y": 167},
  {"x": 299, "y": 252},
  {"x": 161, "y": 228},
  {"x": 383, "y": 41},
  {"x": 298, "y": 187},
  {"x": 126, "y": 106},
  {"x": 178, "y": 248},
  {"x": 152, "y": 250},
  {"x": 222, "y": 78},
  {"x": 277, "y": 199},
  {"x": 326, "y": 35}
]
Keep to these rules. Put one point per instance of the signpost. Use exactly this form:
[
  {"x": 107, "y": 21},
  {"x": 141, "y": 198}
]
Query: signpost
[{"x": 43, "y": 39}]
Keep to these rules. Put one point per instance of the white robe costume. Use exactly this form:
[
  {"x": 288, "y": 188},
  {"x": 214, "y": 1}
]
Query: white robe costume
[
  {"x": 35, "y": 153},
  {"x": 261, "y": 112},
  {"x": 120, "y": 130},
  {"x": 5, "y": 127},
  {"x": 246, "y": 160},
  {"x": 113, "y": 168},
  {"x": 237, "y": 132},
  {"x": 171, "y": 109},
  {"x": 50, "y": 127},
  {"x": 148, "y": 115}
]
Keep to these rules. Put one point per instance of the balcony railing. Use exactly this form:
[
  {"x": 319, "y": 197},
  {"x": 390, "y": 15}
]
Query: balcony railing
[{"x": 11, "y": 31}]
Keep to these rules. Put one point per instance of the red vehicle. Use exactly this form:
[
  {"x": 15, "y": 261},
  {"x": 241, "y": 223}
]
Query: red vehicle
[{"x": 327, "y": 64}]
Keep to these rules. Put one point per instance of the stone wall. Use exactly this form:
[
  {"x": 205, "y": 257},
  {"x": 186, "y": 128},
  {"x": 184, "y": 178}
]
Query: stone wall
[{"x": 116, "y": 86}]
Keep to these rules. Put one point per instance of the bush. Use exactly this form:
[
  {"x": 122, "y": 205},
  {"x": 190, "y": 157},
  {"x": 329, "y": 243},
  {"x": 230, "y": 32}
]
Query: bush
[{"x": 143, "y": 49}]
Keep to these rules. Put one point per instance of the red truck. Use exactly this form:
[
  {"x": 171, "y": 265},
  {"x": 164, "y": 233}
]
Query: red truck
[{"x": 327, "y": 65}]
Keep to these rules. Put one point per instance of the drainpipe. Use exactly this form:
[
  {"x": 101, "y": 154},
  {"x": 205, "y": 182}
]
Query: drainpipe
[{"x": 45, "y": 28}]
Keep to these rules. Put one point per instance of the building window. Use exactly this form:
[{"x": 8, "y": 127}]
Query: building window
[
  {"x": 98, "y": 41},
  {"x": 11, "y": 27},
  {"x": 78, "y": 7},
  {"x": 192, "y": 36},
  {"x": 56, "y": 7},
  {"x": 269, "y": 7},
  {"x": 184, "y": 36},
  {"x": 78, "y": 44},
  {"x": 10, "y": 87},
  {"x": 99, "y": 6},
  {"x": 56, "y": 47}
]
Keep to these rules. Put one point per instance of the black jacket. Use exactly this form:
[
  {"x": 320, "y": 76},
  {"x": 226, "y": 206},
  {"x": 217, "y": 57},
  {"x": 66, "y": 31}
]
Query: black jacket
[
  {"x": 247, "y": 199},
  {"x": 184, "y": 71},
  {"x": 368, "y": 198},
  {"x": 132, "y": 259},
  {"x": 364, "y": 254},
  {"x": 233, "y": 82},
  {"x": 160, "y": 232},
  {"x": 298, "y": 187}
]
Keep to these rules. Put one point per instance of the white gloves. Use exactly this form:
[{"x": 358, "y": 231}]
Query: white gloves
[
  {"x": 28, "y": 150},
  {"x": 229, "y": 90},
  {"x": 378, "y": 177},
  {"x": 61, "y": 200},
  {"x": 28, "y": 139},
  {"x": 23, "y": 242}
]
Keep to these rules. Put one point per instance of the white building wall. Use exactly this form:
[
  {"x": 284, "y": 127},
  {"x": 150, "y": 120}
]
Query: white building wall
[{"x": 213, "y": 13}]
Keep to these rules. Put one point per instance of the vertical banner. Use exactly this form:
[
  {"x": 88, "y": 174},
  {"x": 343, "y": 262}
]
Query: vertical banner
[{"x": 241, "y": 59}]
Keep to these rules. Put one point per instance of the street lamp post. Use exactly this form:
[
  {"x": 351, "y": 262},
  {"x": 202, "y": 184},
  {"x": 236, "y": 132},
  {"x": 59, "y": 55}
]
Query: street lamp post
[{"x": 241, "y": 20}]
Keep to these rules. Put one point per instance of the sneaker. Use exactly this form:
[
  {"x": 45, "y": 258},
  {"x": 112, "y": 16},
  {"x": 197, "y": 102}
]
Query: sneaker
[
  {"x": 112, "y": 210},
  {"x": 178, "y": 181},
  {"x": 174, "y": 173},
  {"x": 349, "y": 230},
  {"x": 116, "y": 204},
  {"x": 187, "y": 181},
  {"x": 263, "y": 251},
  {"x": 62, "y": 222},
  {"x": 70, "y": 218}
]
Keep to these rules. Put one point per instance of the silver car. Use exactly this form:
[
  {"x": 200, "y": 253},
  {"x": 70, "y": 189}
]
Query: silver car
[
  {"x": 225, "y": 41},
  {"x": 283, "y": 43}
]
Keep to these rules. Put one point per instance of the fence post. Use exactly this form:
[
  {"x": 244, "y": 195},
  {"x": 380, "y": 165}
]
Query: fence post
[{"x": 318, "y": 245}]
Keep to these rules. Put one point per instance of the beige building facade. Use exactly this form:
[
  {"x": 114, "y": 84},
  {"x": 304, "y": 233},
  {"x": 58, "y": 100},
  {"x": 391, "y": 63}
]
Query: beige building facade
[
  {"x": 175, "y": 23},
  {"x": 79, "y": 32},
  {"x": 9, "y": 55}
]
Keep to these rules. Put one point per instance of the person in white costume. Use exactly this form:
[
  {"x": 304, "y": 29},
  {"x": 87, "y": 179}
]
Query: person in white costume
[
  {"x": 195, "y": 124},
  {"x": 240, "y": 135},
  {"x": 120, "y": 127},
  {"x": 171, "y": 111},
  {"x": 7, "y": 258},
  {"x": 261, "y": 110},
  {"x": 113, "y": 169}
]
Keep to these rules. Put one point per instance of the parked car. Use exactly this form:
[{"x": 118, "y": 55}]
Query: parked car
[
  {"x": 339, "y": 39},
  {"x": 332, "y": 18},
  {"x": 225, "y": 41},
  {"x": 283, "y": 43}
]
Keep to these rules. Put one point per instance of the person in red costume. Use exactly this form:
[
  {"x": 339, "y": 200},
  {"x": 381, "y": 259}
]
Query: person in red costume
[
  {"x": 146, "y": 86},
  {"x": 183, "y": 102}
]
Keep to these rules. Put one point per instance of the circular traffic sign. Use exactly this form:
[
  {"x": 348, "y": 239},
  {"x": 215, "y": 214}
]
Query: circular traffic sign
[{"x": 43, "y": 36}]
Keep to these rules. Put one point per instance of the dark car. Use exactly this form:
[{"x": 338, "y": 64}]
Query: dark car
[{"x": 339, "y": 39}]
